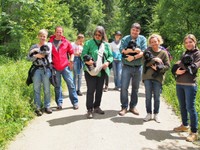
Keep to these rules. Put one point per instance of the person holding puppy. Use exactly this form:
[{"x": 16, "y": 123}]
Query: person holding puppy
[
  {"x": 42, "y": 73},
  {"x": 153, "y": 75},
  {"x": 96, "y": 55},
  {"x": 131, "y": 69},
  {"x": 186, "y": 88}
]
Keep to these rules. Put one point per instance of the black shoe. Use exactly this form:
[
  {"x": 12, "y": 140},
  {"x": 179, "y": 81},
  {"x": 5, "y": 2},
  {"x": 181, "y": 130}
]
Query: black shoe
[
  {"x": 90, "y": 114},
  {"x": 48, "y": 110},
  {"x": 79, "y": 93},
  {"x": 38, "y": 112},
  {"x": 99, "y": 111}
]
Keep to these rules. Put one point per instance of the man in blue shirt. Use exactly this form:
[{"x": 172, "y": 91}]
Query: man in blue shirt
[{"x": 132, "y": 68}]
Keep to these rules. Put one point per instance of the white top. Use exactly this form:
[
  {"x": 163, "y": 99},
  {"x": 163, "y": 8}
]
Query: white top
[{"x": 77, "y": 49}]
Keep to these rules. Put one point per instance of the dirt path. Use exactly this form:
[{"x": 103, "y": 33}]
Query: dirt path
[{"x": 69, "y": 129}]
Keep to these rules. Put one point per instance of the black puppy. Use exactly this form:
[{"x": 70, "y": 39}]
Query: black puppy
[
  {"x": 187, "y": 64},
  {"x": 148, "y": 56},
  {"x": 88, "y": 58},
  {"x": 131, "y": 45},
  {"x": 44, "y": 50}
]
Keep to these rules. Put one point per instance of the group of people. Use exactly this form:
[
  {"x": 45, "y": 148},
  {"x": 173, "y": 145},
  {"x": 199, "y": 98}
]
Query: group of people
[{"x": 147, "y": 62}]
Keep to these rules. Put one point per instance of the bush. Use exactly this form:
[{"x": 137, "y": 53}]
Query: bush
[{"x": 16, "y": 98}]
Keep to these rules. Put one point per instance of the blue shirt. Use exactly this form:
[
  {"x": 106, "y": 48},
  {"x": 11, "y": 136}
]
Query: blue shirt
[{"x": 141, "y": 42}]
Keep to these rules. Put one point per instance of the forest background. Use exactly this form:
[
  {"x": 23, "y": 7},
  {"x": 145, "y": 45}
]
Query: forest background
[{"x": 20, "y": 21}]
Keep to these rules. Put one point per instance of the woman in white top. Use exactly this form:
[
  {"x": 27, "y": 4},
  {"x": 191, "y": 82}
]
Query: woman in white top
[{"x": 78, "y": 64}]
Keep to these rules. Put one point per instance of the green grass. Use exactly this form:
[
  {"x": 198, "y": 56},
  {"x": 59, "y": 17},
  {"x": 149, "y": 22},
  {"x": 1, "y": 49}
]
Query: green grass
[{"x": 15, "y": 100}]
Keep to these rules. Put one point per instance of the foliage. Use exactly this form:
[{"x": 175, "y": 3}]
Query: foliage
[
  {"x": 176, "y": 18},
  {"x": 140, "y": 11},
  {"x": 112, "y": 18},
  {"x": 21, "y": 28},
  {"x": 15, "y": 100},
  {"x": 86, "y": 14}
]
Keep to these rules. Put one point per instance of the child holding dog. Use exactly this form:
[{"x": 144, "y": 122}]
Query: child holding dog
[
  {"x": 186, "y": 88},
  {"x": 42, "y": 73},
  {"x": 152, "y": 82}
]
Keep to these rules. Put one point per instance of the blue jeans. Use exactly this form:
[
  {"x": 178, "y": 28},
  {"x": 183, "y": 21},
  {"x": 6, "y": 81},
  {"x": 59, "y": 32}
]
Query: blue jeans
[
  {"x": 67, "y": 76},
  {"x": 117, "y": 70},
  {"x": 187, "y": 96},
  {"x": 152, "y": 87},
  {"x": 41, "y": 77},
  {"x": 77, "y": 72},
  {"x": 130, "y": 73}
]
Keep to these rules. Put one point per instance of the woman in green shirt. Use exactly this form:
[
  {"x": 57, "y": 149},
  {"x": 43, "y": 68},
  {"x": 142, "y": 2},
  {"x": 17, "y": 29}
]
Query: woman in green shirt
[{"x": 99, "y": 50}]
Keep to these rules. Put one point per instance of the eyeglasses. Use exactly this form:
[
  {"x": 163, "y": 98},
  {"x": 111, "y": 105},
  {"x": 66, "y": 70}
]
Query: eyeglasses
[{"x": 99, "y": 35}]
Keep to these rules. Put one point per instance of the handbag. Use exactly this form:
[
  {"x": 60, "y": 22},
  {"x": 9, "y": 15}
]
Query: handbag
[{"x": 99, "y": 63}]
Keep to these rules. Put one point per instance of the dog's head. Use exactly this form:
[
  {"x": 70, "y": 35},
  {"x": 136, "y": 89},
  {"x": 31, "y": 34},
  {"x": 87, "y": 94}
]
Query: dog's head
[
  {"x": 44, "y": 49},
  {"x": 132, "y": 44},
  {"x": 148, "y": 55},
  {"x": 87, "y": 58},
  {"x": 187, "y": 60}
]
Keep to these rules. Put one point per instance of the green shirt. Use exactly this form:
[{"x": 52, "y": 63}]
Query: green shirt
[{"x": 91, "y": 48}]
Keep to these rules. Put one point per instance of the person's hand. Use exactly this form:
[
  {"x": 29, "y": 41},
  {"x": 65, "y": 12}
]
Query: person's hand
[
  {"x": 39, "y": 55},
  {"x": 137, "y": 50},
  {"x": 180, "y": 71},
  {"x": 154, "y": 67},
  {"x": 130, "y": 58},
  {"x": 71, "y": 65},
  {"x": 105, "y": 65},
  {"x": 158, "y": 60}
]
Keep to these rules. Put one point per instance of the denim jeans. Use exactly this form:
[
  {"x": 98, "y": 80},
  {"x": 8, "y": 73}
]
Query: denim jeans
[
  {"x": 152, "y": 87},
  {"x": 187, "y": 96},
  {"x": 130, "y": 73},
  {"x": 41, "y": 77},
  {"x": 67, "y": 76},
  {"x": 117, "y": 71},
  {"x": 77, "y": 72}
]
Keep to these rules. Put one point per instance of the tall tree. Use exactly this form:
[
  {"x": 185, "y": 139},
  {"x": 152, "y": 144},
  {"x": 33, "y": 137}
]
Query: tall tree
[
  {"x": 86, "y": 14},
  {"x": 112, "y": 17},
  {"x": 137, "y": 11},
  {"x": 174, "y": 19},
  {"x": 21, "y": 20}
]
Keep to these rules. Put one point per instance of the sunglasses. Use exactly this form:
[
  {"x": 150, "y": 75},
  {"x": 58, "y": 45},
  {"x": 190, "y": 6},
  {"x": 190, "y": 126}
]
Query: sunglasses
[{"x": 99, "y": 35}]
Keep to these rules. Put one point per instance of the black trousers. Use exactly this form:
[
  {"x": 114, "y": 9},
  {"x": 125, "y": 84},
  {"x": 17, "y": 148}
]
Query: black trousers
[{"x": 94, "y": 89}]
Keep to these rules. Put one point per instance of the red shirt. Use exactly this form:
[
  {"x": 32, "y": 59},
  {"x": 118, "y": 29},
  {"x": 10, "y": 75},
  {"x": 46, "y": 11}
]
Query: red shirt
[{"x": 60, "y": 55}]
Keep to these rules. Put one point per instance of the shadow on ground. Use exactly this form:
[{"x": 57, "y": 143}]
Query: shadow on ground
[
  {"x": 71, "y": 119},
  {"x": 171, "y": 146},
  {"x": 128, "y": 120},
  {"x": 159, "y": 135}
]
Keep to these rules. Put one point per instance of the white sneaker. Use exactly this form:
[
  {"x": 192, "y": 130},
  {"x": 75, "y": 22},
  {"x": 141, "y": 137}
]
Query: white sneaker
[
  {"x": 156, "y": 118},
  {"x": 148, "y": 117}
]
